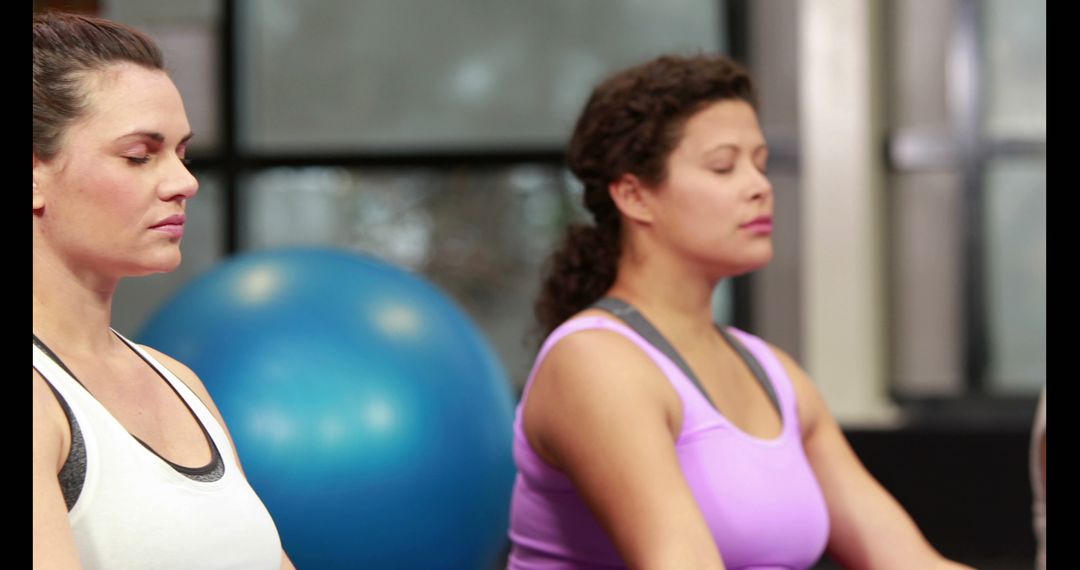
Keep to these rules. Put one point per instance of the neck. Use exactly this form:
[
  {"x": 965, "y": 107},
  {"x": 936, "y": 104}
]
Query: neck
[
  {"x": 674, "y": 297},
  {"x": 72, "y": 308}
]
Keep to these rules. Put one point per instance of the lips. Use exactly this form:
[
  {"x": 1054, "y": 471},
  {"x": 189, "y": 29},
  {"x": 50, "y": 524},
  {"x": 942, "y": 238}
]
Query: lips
[
  {"x": 760, "y": 224},
  {"x": 173, "y": 225}
]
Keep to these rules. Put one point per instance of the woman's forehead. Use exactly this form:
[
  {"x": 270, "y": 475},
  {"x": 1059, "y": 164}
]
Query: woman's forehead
[
  {"x": 126, "y": 98},
  {"x": 722, "y": 124}
]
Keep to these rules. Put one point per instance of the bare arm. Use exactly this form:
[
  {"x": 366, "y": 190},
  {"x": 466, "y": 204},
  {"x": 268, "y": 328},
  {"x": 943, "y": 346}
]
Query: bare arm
[
  {"x": 1041, "y": 415},
  {"x": 1042, "y": 459},
  {"x": 192, "y": 381},
  {"x": 601, "y": 411},
  {"x": 54, "y": 542},
  {"x": 869, "y": 528}
]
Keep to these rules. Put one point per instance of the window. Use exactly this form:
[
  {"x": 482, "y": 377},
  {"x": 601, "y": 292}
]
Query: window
[
  {"x": 968, "y": 198},
  {"x": 427, "y": 134}
]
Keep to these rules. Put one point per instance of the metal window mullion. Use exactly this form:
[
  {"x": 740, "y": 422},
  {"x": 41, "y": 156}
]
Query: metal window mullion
[
  {"x": 737, "y": 21},
  {"x": 966, "y": 104},
  {"x": 229, "y": 104}
]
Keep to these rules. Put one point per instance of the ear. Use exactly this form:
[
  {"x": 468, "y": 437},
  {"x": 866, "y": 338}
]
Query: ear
[
  {"x": 39, "y": 196},
  {"x": 631, "y": 198}
]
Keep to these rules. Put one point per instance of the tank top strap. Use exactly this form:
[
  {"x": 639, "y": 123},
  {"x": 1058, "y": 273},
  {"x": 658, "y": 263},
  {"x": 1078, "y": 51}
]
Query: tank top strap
[
  {"x": 71, "y": 394},
  {"x": 76, "y": 395},
  {"x": 209, "y": 423},
  {"x": 632, "y": 317},
  {"x": 185, "y": 392},
  {"x": 774, "y": 370}
]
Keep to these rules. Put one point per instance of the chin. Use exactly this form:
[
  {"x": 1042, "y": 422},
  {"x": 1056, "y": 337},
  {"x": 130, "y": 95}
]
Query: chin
[
  {"x": 761, "y": 259},
  {"x": 168, "y": 267},
  {"x": 761, "y": 263},
  {"x": 163, "y": 264},
  {"x": 744, "y": 266}
]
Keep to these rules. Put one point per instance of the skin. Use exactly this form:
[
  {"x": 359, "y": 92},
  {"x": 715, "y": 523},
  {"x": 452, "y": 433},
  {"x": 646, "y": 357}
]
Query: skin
[
  {"x": 119, "y": 173},
  {"x": 1042, "y": 458},
  {"x": 680, "y": 239}
]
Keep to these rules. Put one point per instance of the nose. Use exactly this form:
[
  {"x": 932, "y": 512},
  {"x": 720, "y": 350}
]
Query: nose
[
  {"x": 761, "y": 187},
  {"x": 179, "y": 183}
]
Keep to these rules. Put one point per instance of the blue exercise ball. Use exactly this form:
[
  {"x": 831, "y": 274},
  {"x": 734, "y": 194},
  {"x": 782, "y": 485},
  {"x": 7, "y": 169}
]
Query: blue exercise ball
[{"x": 371, "y": 415}]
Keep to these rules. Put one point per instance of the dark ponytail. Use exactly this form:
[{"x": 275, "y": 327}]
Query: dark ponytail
[
  {"x": 578, "y": 272},
  {"x": 631, "y": 123}
]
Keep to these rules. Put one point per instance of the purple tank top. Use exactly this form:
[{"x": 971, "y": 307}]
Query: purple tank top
[{"x": 759, "y": 497}]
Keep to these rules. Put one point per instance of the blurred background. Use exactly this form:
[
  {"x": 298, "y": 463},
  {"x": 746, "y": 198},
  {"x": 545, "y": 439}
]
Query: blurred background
[{"x": 908, "y": 156}]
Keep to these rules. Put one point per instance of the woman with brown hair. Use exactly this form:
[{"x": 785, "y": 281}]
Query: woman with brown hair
[
  {"x": 133, "y": 466},
  {"x": 647, "y": 436}
]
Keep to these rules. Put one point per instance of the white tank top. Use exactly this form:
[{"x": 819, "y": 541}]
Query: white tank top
[{"x": 136, "y": 511}]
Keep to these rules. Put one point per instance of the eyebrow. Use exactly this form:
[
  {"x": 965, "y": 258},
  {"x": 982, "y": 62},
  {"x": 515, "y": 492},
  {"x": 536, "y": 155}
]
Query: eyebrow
[
  {"x": 156, "y": 136},
  {"x": 720, "y": 146},
  {"x": 734, "y": 147}
]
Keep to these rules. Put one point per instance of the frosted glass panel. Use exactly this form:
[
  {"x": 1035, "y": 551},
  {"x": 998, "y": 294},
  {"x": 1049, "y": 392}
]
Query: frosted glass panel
[
  {"x": 339, "y": 75},
  {"x": 773, "y": 35},
  {"x": 926, "y": 322},
  {"x": 919, "y": 47},
  {"x": 1015, "y": 234},
  {"x": 149, "y": 12},
  {"x": 1015, "y": 36},
  {"x": 479, "y": 234}
]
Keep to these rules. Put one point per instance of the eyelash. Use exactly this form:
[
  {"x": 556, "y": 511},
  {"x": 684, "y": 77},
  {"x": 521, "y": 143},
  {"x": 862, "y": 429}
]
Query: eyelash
[
  {"x": 761, "y": 169},
  {"x": 140, "y": 160}
]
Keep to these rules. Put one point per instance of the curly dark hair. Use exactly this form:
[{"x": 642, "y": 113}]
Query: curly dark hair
[
  {"x": 67, "y": 47},
  {"x": 631, "y": 123}
]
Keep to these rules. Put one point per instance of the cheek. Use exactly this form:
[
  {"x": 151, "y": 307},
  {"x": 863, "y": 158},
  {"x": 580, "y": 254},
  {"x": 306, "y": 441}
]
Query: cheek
[
  {"x": 105, "y": 185},
  {"x": 710, "y": 210},
  {"x": 97, "y": 202}
]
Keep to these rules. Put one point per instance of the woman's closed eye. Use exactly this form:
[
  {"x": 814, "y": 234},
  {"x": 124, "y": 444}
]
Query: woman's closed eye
[{"x": 138, "y": 160}]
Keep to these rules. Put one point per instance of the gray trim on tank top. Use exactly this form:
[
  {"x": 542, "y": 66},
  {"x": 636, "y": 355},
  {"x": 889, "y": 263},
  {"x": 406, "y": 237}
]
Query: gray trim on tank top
[
  {"x": 72, "y": 474},
  {"x": 635, "y": 320}
]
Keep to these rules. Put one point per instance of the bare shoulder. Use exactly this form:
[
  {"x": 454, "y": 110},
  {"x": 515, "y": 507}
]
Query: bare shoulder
[
  {"x": 50, "y": 425},
  {"x": 596, "y": 377},
  {"x": 41, "y": 389},
  {"x": 54, "y": 545},
  {"x": 171, "y": 363},
  {"x": 598, "y": 360},
  {"x": 45, "y": 402},
  {"x": 595, "y": 350},
  {"x": 602, "y": 412},
  {"x": 790, "y": 365},
  {"x": 187, "y": 376}
]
